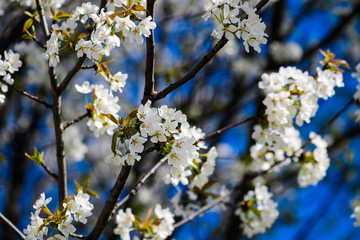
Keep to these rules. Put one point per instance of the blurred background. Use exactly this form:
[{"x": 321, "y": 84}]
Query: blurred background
[{"x": 224, "y": 92}]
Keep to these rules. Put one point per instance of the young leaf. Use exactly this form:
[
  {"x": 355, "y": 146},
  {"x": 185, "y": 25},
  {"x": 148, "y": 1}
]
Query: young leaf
[
  {"x": 28, "y": 23},
  {"x": 112, "y": 118},
  {"x": 92, "y": 193},
  {"x": 139, "y": 8}
]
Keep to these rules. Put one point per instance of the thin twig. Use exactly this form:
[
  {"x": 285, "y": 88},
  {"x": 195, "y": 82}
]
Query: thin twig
[
  {"x": 201, "y": 64},
  {"x": 64, "y": 83},
  {"x": 139, "y": 184},
  {"x": 12, "y": 226},
  {"x": 39, "y": 43},
  {"x": 218, "y": 132},
  {"x": 204, "y": 60},
  {"x": 78, "y": 119},
  {"x": 204, "y": 209},
  {"x": 49, "y": 171},
  {"x": 150, "y": 58},
  {"x": 32, "y": 97},
  {"x": 239, "y": 187},
  {"x": 331, "y": 121}
]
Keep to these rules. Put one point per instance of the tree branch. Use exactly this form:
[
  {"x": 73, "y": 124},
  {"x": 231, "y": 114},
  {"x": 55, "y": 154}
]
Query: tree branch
[
  {"x": 218, "y": 132},
  {"x": 78, "y": 119},
  {"x": 204, "y": 60},
  {"x": 39, "y": 43},
  {"x": 239, "y": 187},
  {"x": 64, "y": 83},
  {"x": 48, "y": 170},
  {"x": 331, "y": 121},
  {"x": 105, "y": 214},
  {"x": 56, "y": 109},
  {"x": 12, "y": 226},
  {"x": 150, "y": 58},
  {"x": 204, "y": 209},
  {"x": 139, "y": 184},
  {"x": 32, "y": 97}
]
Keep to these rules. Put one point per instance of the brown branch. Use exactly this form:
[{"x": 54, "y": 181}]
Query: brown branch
[
  {"x": 32, "y": 97},
  {"x": 39, "y": 43},
  {"x": 12, "y": 226},
  {"x": 102, "y": 4},
  {"x": 201, "y": 64},
  {"x": 139, "y": 184},
  {"x": 105, "y": 214},
  {"x": 64, "y": 83},
  {"x": 204, "y": 60},
  {"x": 78, "y": 119},
  {"x": 149, "y": 92},
  {"x": 331, "y": 121},
  {"x": 56, "y": 109},
  {"x": 239, "y": 187},
  {"x": 218, "y": 132},
  {"x": 204, "y": 209},
  {"x": 48, "y": 170}
]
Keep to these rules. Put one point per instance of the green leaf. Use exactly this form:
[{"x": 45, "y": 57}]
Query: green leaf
[
  {"x": 132, "y": 115},
  {"x": 83, "y": 35},
  {"x": 61, "y": 14},
  {"x": 137, "y": 219},
  {"x": 37, "y": 157},
  {"x": 92, "y": 193},
  {"x": 112, "y": 118},
  {"x": 29, "y": 14},
  {"x": 78, "y": 186},
  {"x": 65, "y": 34},
  {"x": 28, "y": 23},
  {"x": 139, "y": 8}
]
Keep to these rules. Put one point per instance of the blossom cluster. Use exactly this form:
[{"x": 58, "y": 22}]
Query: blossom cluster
[
  {"x": 8, "y": 66},
  {"x": 197, "y": 194},
  {"x": 78, "y": 208},
  {"x": 314, "y": 164},
  {"x": 161, "y": 227},
  {"x": 258, "y": 211},
  {"x": 207, "y": 169},
  {"x": 169, "y": 128},
  {"x": 229, "y": 14},
  {"x": 103, "y": 102},
  {"x": 290, "y": 94},
  {"x": 107, "y": 25}
]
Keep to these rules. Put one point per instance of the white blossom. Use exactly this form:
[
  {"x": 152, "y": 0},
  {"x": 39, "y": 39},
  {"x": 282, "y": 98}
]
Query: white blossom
[
  {"x": 65, "y": 227},
  {"x": 257, "y": 221},
  {"x": 314, "y": 169},
  {"x": 124, "y": 221}
]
